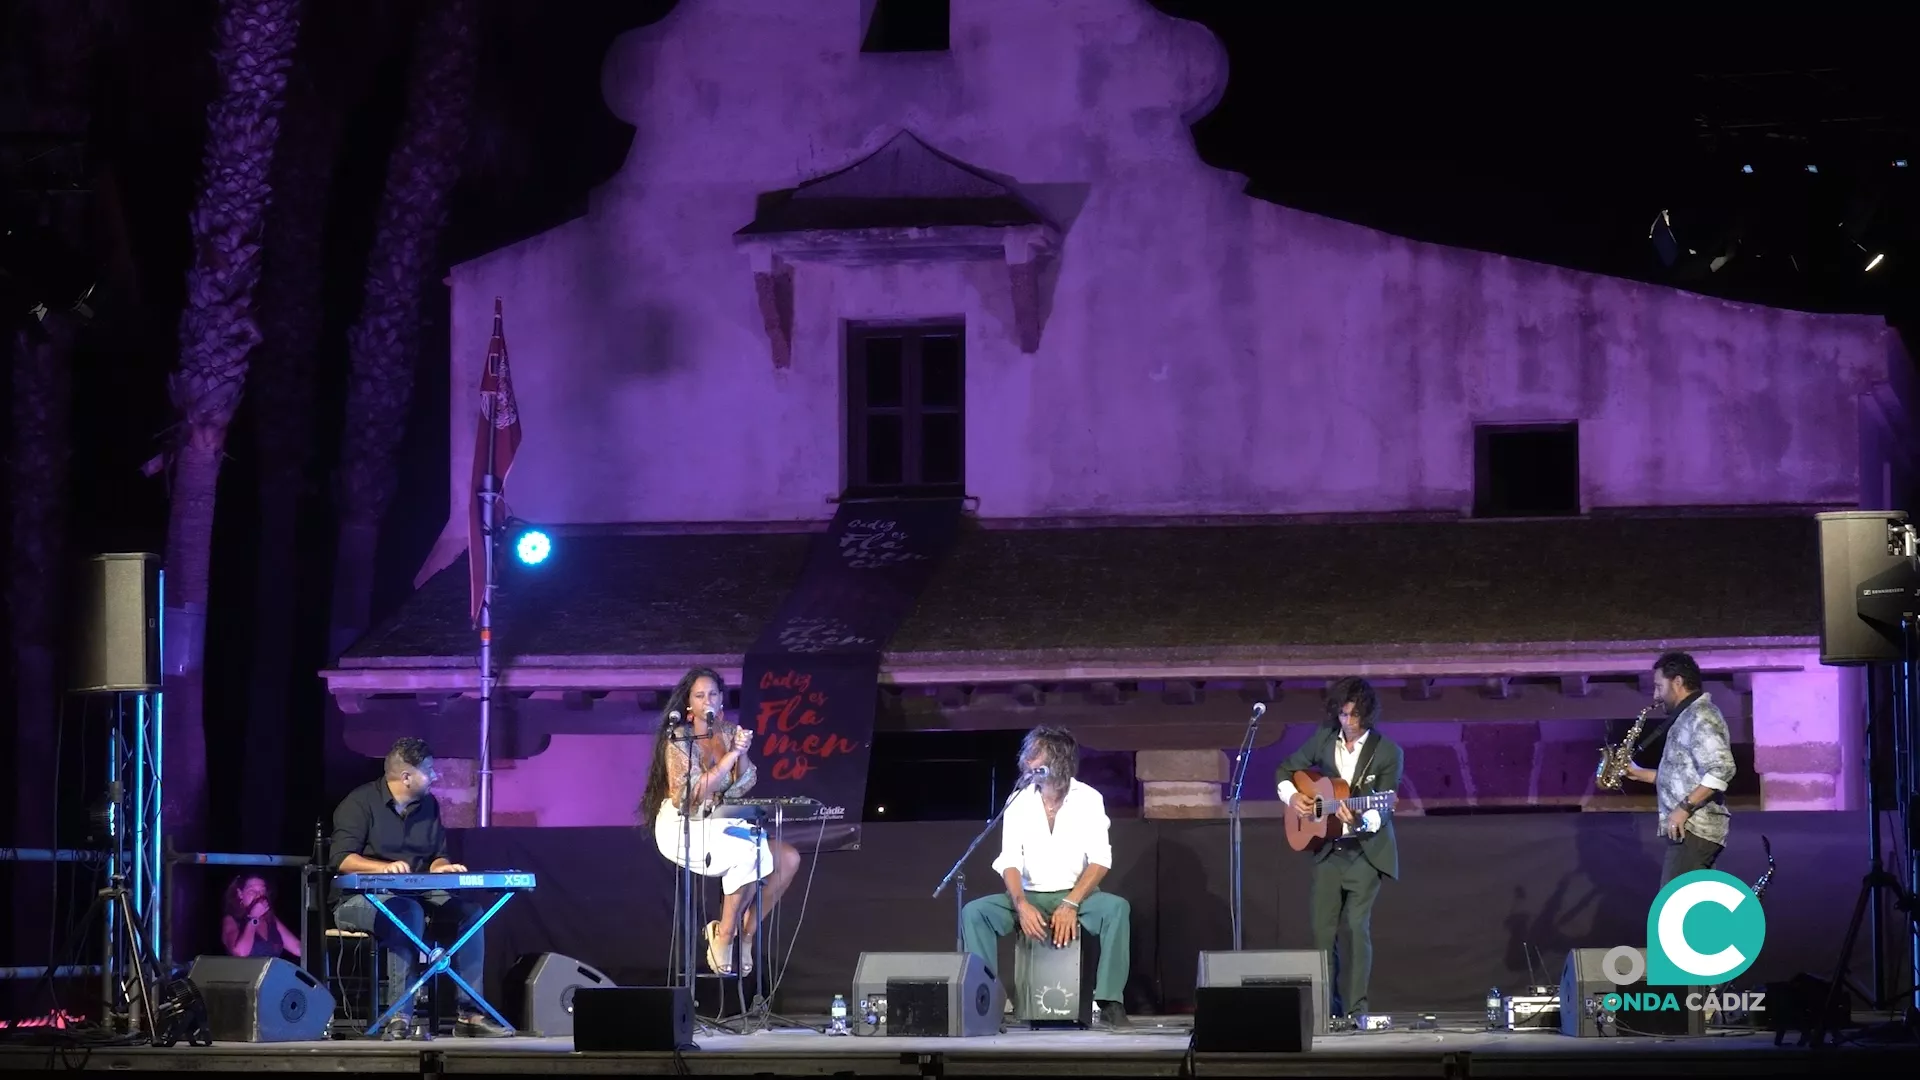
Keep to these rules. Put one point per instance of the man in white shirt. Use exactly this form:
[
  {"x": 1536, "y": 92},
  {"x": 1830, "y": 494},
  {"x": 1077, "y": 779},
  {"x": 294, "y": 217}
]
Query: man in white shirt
[
  {"x": 1054, "y": 850},
  {"x": 1347, "y": 873}
]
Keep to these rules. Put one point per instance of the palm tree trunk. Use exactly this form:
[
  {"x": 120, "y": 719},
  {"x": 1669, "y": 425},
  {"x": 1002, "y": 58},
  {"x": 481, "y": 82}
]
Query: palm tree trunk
[
  {"x": 37, "y": 455},
  {"x": 334, "y": 68},
  {"x": 383, "y": 344},
  {"x": 256, "y": 40}
]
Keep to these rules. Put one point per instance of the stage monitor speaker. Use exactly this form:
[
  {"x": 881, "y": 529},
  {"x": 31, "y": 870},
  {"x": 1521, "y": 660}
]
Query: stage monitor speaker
[
  {"x": 1853, "y": 552},
  {"x": 1271, "y": 967},
  {"x": 261, "y": 999},
  {"x": 540, "y": 992},
  {"x": 949, "y": 994},
  {"x": 1583, "y": 989},
  {"x": 1254, "y": 1019},
  {"x": 119, "y": 624},
  {"x": 623, "y": 1018}
]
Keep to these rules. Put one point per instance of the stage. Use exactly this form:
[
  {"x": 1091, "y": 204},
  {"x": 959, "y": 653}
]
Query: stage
[{"x": 1155, "y": 1046}]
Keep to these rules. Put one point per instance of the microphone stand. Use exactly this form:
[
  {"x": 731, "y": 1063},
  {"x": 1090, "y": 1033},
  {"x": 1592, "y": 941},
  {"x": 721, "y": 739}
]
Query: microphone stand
[
  {"x": 958, "y": 878},
  {"x": 1234, "y": 860},
  {"x": 689, "y": 929}
]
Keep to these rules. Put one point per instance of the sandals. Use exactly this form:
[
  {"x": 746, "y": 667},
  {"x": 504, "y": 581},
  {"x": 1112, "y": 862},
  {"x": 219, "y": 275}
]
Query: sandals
[{"x": 715, "y": 958}]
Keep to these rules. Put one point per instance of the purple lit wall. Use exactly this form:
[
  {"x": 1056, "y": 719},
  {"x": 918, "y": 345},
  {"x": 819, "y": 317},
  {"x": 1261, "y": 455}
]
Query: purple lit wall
[
  {"x": 1202, "y": 351},
  {"x": 1199, "y": 351}
]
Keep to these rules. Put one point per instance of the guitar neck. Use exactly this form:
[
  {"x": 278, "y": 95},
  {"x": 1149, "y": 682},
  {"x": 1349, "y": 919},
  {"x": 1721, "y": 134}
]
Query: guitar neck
[{"x": 1360, "y": 803}]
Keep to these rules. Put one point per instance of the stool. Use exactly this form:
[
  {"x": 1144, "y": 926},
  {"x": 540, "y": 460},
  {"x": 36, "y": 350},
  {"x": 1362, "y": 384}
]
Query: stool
[
  {"x": 368, "y": 971},
  {"x": 1054, "y": 986}
]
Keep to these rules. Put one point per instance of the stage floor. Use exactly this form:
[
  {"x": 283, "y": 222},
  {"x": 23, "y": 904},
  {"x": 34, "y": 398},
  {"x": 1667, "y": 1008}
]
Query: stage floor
[{"x": 1154, "y": 1047}]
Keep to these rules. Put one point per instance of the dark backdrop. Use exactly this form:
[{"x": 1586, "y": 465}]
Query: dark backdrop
[{"x": 1476, "y": 893}]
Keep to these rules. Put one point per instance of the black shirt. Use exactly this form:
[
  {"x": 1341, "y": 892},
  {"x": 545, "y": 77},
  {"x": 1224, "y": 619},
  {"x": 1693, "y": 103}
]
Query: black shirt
[{"x": 368, "y": 823}]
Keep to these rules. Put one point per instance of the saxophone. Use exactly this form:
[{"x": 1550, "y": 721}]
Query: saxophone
[
  {"x": 1761, "y": 883},
  {"x": 1615, "y": 759}
]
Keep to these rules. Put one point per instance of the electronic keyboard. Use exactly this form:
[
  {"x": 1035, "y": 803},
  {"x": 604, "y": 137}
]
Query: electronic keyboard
[
  {"x": 490, "y": 881},
  {"x": 792, "y": 806}
]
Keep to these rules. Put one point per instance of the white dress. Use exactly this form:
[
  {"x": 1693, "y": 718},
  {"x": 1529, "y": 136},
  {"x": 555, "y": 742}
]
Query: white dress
[{"x": 735, "y": 850}]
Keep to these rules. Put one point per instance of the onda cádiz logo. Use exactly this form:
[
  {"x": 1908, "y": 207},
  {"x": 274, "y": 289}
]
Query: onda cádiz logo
[{"x": 1704, "y": 929}]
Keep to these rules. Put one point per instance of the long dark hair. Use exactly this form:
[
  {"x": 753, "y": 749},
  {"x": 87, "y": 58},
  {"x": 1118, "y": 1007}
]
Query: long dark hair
[
  {"x": 1360, "y": 694},
  {"x": 657, "y": 771}
]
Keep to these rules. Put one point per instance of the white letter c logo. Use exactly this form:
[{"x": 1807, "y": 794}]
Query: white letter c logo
[{"x": 1673, "y": 936}]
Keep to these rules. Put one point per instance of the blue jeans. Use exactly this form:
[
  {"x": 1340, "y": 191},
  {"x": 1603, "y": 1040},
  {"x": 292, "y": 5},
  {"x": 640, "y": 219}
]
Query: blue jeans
[{"x": 449, "y": 920}]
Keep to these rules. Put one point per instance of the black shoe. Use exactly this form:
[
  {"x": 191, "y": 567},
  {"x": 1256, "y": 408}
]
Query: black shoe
[
  {"x": 1113, "y": 1015},
  {"x": 480, "y": 1026}
]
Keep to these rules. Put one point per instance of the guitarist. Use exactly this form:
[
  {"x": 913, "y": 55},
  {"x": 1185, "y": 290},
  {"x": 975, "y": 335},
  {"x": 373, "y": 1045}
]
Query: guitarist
[{"x": 1347, "y": 872}]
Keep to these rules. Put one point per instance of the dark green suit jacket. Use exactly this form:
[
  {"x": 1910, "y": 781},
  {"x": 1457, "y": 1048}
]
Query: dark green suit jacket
[{"x": 1381, "y": 763}]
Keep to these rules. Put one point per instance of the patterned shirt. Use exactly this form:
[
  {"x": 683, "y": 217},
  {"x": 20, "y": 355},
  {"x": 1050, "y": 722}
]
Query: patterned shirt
[
  {"x": 1699, "y": 753},
  {"x": 738, "y": 784}
]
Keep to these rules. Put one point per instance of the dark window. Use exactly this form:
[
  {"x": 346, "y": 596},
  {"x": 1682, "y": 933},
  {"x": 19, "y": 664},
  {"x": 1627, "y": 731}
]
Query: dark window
[
  {"x": 906, "y": 415},
  {"x": 896, "y": 26},
  {"x": 1528, "y": 470}
]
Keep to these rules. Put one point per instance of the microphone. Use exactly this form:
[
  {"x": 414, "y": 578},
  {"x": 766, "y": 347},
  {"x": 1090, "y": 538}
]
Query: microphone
[
  {"x": 1034, "y": 776},
  {"x": 1259, "y": 709},
  {"x": 709, "y": 716}
]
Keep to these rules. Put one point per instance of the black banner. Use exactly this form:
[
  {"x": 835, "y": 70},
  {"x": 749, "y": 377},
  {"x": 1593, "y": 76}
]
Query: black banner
[{"x": 809, "y": 685}]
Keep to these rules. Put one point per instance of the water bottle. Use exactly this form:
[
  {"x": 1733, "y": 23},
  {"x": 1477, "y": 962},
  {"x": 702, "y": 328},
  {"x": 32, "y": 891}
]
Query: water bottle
[
  {"x": 839, "y": 1014},
  {"x": 1493, "y": 1008}
]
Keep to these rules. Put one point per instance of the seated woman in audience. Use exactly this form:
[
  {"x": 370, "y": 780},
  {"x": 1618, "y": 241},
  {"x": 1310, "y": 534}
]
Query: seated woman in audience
[{"x": 248, "y": 924}]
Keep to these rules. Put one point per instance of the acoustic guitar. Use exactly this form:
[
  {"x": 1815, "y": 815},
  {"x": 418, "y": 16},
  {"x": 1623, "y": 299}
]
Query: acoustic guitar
[{"x": 1311, "y": 832}]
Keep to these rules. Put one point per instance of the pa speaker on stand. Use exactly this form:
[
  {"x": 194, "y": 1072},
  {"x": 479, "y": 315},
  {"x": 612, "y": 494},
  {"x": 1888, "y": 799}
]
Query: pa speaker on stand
[{"x": 119, "y": 624}]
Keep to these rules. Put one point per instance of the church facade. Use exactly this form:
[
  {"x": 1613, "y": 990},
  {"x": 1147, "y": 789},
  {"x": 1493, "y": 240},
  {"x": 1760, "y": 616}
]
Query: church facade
[{"x": 1212, "y": 450}]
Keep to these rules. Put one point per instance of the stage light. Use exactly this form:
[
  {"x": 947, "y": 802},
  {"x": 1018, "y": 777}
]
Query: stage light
[
  {"x": 532, "y": 547},
  {"x": 1900, "y": 163},
  {"x": 1813, "y": 168},
  {"x": 1746, "y": 169}
]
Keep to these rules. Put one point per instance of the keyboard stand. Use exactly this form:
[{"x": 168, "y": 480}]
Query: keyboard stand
[{"x": 438, "y": 963}]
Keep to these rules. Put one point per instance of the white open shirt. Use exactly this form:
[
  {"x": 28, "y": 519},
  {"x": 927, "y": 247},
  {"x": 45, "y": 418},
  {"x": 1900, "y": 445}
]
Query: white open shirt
[{"x": 1052, "y": 860}]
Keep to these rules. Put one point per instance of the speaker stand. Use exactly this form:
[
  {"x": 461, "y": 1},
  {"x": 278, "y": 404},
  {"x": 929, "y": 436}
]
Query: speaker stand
[{"x": 1870, "y": 887}]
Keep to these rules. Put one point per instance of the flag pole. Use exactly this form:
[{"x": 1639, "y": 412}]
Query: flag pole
[{"x": 489, "y": 495}]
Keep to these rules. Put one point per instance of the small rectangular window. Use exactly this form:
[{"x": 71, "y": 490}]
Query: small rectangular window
[
  {"x": 906, "y": 409},
  {"x": 905, "y": 26},
  {"x": 1526, "y": 470}
]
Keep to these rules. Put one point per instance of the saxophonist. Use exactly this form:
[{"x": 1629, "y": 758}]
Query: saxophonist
[{"x": 1695, "y": 769}]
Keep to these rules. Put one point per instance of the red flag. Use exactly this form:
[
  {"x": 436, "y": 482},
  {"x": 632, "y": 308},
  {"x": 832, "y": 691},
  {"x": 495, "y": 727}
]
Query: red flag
[{"x": 496, "y": 386}]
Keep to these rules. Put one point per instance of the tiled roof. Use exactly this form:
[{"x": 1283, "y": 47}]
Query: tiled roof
[{"x": 1196, "y": 586}]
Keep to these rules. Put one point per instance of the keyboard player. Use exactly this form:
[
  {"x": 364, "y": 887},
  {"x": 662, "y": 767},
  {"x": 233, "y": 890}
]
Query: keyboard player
[{"x": 392, "y": 826}]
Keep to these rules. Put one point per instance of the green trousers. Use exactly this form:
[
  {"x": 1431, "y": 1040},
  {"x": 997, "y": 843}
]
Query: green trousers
[
  {"x": 1102, "y": 914},
  {"x": 1345, "y": 885}
]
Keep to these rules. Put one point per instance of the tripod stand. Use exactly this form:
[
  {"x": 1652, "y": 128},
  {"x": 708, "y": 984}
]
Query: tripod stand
[
  {"x": 166, "y": 1019},
  {"x": 1906, "y": 710},
  {"x": 1877, "y": 879}
]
